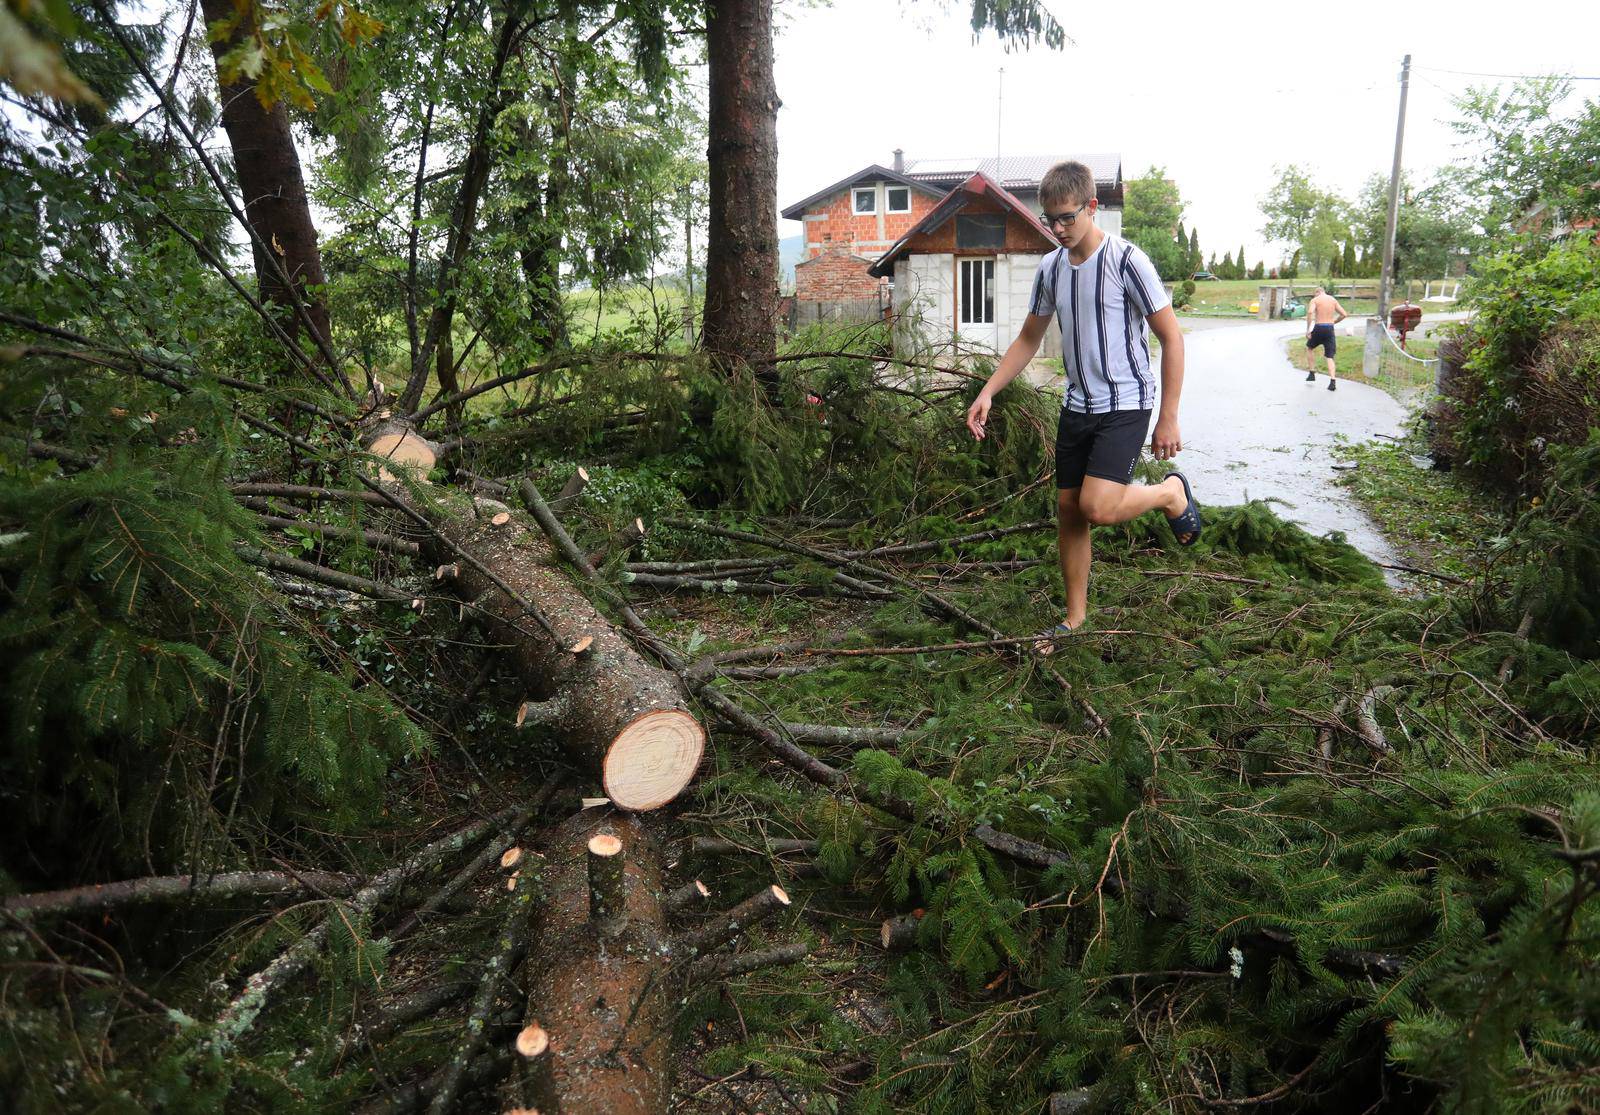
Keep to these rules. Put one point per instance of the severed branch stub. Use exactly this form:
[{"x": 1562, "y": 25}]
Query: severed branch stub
[
  {"x": 571, "y": 491},
  {"x": 534, "y": 1069},
  {"x": 622, "y": 541},
  {"x": 607, "y": 910},
  {"x": 899, "y": 933},
  {"x": 692, "y": 893},
  {"x": 544, "y": 712},
  {"x": 725, "y": 927},
  {"x": 737, "y": 964}
]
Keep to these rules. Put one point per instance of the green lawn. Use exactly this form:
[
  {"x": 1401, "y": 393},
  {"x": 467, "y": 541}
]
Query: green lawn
[
  {"x": 592, "y": 312},
  {"x": 1234, "y": 296}
]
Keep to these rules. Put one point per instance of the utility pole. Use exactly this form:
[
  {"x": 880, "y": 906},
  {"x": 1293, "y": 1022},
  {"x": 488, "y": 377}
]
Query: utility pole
[{"x": 1386, "y": 279}]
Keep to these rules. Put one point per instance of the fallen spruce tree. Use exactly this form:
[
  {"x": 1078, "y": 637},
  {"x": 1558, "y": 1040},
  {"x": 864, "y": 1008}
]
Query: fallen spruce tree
[{"x": 1267, "y": 833}]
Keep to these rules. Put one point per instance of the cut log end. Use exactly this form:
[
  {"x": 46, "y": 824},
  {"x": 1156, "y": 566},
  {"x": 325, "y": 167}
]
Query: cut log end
[
  {"x": 780, "y": 894},
  {"x": 500, "y": 519},
  {"x": 652, "y": 759},
  {"x": 581, "y": 646},
  {"x": 406, "y": 449},
  {"x": 604, "y": 844},
  {"x": 512, "y": 857},
  {"x": 532, "y": 1041}
]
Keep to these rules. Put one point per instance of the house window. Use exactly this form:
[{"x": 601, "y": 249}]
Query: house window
[
  {"x": 980, "y": 230},
  {"x": 899, "y": 199},
  {"x": 867, "y": 200},
  {"x": 977, "y": 292}
]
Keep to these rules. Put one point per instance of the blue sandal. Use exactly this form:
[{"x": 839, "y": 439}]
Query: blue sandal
[
  {"x": 1189, "y": 522},
  {"x": 1046, "y": 646}
]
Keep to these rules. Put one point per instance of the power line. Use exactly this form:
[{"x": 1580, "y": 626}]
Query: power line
[{"x": 1514, "y": 77}]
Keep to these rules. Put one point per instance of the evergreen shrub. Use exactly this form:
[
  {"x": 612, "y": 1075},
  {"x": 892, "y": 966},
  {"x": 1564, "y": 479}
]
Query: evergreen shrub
[{"x": 1530, "y": 381}]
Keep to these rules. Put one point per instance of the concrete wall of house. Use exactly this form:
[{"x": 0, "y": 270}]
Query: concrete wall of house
[
  {"x": 1016, "y": 298},
  {"x": 925, "y": 300}
]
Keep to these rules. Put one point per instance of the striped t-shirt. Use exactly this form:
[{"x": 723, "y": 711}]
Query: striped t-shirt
[{"x": 1102, "y": 304}]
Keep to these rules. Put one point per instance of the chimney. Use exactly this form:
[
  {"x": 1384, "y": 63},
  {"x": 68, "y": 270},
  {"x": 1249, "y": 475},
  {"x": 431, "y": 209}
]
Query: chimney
[{"x": 899, "y": 161}]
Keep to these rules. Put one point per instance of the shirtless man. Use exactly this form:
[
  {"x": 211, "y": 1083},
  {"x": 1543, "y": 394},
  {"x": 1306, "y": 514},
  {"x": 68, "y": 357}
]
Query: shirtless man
[{"x": 1321, "y": 316}]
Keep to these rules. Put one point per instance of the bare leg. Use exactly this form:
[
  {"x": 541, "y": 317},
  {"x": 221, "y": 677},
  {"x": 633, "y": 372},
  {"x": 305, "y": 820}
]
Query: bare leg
[
  {"x": 1072, "y": 538},
  {"x": 1332, "y": 369},
  {"x": 1105, "y": 501}
]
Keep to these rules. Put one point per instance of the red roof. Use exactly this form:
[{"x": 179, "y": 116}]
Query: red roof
[{"x": 979, "y": 185}]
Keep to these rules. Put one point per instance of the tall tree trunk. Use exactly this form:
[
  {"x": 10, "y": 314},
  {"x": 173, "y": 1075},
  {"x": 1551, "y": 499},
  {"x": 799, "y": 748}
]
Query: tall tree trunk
[
  {"x": 742, "y": 254},
  {"x": 540, "y": 252},
  {"x": 273, "y": 191},
  {"x": 464, "y": 221}
]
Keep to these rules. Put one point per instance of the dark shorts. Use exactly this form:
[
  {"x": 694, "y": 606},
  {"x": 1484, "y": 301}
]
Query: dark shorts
[
  {"x": 1102, "y": 445},
  {"x": 1323, "y": 335}
]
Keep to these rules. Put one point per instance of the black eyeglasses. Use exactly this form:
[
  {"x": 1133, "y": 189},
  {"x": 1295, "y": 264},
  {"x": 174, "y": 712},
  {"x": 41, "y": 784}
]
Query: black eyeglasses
[{"x": 1064, "y": 219}]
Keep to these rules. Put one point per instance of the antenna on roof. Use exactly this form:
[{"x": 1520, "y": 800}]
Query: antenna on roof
[{"x": 999, "y": 97}]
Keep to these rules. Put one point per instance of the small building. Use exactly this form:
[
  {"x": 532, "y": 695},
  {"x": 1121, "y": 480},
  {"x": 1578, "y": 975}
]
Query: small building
[
  {"x": 930, "y": 215},
  {"x": 965, "y": 271}
]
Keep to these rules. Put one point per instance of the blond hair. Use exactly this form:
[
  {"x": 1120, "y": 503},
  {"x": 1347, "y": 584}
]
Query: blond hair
[{"x": 1064, "y": 182}]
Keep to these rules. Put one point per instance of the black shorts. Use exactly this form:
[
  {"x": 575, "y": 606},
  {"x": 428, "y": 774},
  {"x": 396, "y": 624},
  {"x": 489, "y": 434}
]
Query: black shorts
[
  {"x": 1102, "y": 445},
  {"x": 1323, "y": 335}
]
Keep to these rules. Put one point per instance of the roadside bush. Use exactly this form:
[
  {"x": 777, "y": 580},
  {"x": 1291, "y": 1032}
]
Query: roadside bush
[
  {"x": 1183, "y": 294},
  {"x": 1553, "y": 571},
  {"x": 1529, "y": 381}
]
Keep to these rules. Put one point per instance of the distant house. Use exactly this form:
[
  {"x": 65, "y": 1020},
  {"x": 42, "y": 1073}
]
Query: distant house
[
  {"x": 1545, "y": 218},
  {"x": 953, "y": 242}
]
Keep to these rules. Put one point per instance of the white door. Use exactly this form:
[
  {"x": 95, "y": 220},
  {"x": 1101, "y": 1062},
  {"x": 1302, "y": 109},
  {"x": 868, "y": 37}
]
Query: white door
[{"x": 975, "y": 291}]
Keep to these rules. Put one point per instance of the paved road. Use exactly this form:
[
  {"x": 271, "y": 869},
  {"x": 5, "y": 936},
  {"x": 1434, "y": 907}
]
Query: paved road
[{"x": 1253, "y": 428}]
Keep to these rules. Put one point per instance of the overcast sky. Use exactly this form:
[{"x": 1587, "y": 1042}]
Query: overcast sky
[{"x": 1216, "y": 93}]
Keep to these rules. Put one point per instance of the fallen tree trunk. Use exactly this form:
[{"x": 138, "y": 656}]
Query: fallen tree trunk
[
  {"x": 597, "y": 988},
  {"x": 624, "y": 720},
  {"x": 601, "y": 969}
]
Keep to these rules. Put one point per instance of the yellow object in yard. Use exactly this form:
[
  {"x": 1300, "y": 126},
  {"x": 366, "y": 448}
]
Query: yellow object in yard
[{"x": 1255, "y": 307}]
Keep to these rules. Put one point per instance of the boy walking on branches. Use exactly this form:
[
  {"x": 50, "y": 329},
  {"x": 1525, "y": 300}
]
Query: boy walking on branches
[{"x": 1104, "y": 292}]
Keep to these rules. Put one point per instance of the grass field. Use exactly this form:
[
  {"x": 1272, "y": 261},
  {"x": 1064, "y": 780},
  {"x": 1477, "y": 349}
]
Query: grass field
[
  {"x": 654, "y": 307},
  {"x": 1347, "y": 361},
  {"x": 1433, "y": 518},
  {"x": 1229, "y": 297}
]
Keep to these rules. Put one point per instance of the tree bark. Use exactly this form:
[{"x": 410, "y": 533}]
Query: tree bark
[
  {"x": 272, "y": 188},
  {"x": 742, "y": 252},
  {"x": 602, "y": 1000}
]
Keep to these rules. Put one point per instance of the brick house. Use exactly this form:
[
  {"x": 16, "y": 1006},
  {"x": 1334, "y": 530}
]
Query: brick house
[{"x": 915, "y": 234}]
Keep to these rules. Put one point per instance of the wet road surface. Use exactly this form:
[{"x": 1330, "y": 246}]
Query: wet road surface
[{"x": 1253, "y": 428}]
